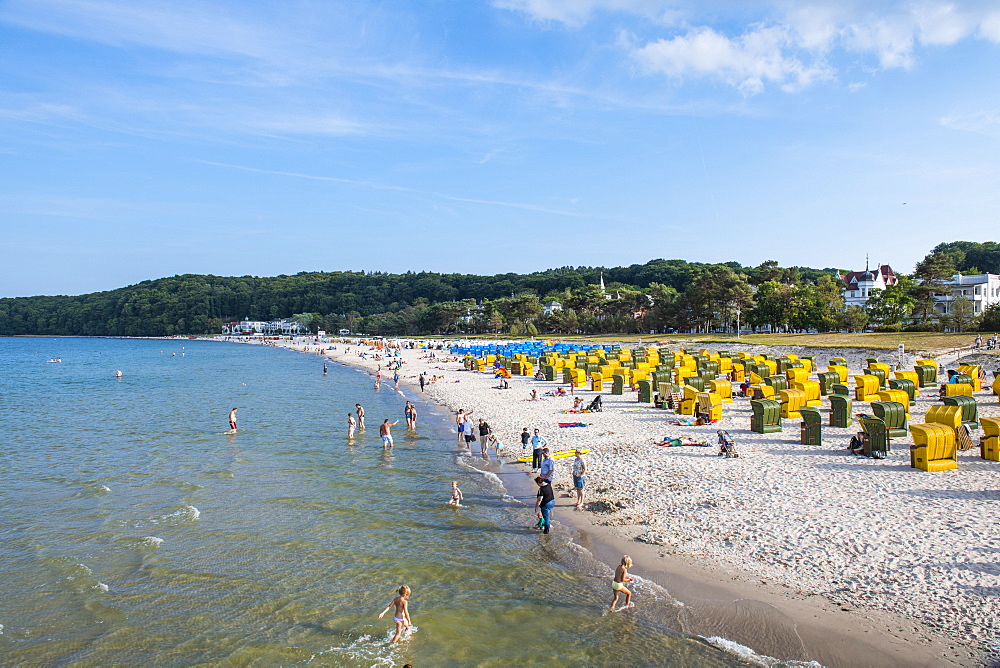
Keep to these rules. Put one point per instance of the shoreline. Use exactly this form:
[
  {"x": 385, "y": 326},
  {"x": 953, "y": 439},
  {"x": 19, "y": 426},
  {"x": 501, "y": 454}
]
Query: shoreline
[{"x": 778, "y": 617}]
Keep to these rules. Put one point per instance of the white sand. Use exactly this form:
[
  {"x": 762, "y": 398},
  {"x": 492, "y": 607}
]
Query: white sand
[{"x": 871, "y": 533}]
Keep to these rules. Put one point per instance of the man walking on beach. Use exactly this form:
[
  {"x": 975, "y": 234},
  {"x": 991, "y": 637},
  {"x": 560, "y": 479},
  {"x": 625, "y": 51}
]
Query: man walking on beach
[
  {"x": 548, "y": 468},
  {"x": 423, "y": 381},
  {"x": 383, "y": 431},
  {"x": 361, "y": 417},
  {"x": 525, "y": 439},
  {"x": 537, "y": 443}
]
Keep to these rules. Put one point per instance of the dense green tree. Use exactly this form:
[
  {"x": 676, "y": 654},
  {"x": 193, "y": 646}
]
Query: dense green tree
[
  {"x": 888, "y": 308},
  {"x": 961, "y": 315},
  {"x": 854, "y": 319}
]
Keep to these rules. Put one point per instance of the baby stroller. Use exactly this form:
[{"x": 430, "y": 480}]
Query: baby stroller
[
  {"x": 595, "y": 405},
  {"x": 727, "y": 447}
]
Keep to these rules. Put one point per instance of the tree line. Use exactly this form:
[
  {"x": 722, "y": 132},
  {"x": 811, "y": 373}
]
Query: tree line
[{"x": 660, "y": 295}]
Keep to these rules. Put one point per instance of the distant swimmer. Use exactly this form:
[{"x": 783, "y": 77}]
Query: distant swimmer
[
  {"x": 384, "y": 432},
  {"x": 402, "y": 614},
  {"x": 618, "y": 583},
  {"x": 351, "y": 424},
  {"x": 232, "y": 421},
  {"x": 118, "y": 373},
  {"x": 361, "y": 417},
  {"x": 324, "y": 368}
]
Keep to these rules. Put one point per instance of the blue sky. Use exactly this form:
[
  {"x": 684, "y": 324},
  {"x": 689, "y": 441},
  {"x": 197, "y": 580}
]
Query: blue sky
[{"x": 146, "y": 139}]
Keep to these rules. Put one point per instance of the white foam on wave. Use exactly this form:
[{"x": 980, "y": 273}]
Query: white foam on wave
[
  {"x": 152, "y": 541},
  {"x": 746, "y": 654},
  {"x": 104, "y": 487},
  {"x": 365, "y": 650},
  {"x": 101, "y": 586},
  {"x": 489, "y": 475},
  {"x": 185, "y": 514}
]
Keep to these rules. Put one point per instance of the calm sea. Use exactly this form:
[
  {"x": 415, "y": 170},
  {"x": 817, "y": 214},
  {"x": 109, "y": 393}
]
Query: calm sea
[{"x": 135, "y": 531}]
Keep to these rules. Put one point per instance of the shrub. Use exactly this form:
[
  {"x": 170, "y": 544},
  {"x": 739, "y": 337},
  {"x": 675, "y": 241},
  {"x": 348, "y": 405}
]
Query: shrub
[{"x": 924, "y": 327}]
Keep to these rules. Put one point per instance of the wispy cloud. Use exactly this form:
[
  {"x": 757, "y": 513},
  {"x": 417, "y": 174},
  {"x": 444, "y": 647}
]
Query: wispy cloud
[
  {"x": 986, "y": 122},
  {"x": 403, "y": 189}
]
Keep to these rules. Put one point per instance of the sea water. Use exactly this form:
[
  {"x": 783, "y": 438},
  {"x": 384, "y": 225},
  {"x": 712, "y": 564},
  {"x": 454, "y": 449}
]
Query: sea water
[{"x": 134, "y": 530}]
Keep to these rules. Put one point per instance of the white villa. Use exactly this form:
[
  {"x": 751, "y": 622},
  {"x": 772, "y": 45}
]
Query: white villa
[
  {"x": 269, "y": 327},
  {"x": 859, "y": 285}
]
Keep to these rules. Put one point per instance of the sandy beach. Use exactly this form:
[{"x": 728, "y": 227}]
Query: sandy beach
[{"x": 801, "y": 552}]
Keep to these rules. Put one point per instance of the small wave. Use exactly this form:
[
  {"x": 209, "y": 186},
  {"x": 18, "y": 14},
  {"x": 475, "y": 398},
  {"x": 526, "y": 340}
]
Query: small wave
[
  {"x": 182, "y": 515},
  {"x": 747, "y": 655},
  {"x": 365, "y": 650},
  {"x": 101, "y": 586},
  {"x": 152, "y": 541},
  {"x": 489, "y": 475}
]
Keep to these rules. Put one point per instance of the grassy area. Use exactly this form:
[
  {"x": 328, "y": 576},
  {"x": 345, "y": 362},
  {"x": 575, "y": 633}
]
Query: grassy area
[{"x": 914, "y": 341}]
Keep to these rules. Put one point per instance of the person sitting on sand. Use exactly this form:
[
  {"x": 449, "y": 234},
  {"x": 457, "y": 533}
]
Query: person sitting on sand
[
  {"x": 534, "y": 396},
  {"x": 683, "y": 440},
  {"x": 577, "y": 404},
  {"x": 857, "y": 444}
]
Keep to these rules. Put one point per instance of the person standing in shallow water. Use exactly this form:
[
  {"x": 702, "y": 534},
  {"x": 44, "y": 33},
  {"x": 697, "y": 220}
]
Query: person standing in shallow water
[
  {"x": 618, "y": 582},
  {"x": 545, "y": 501},
  {"x": 361, "y": 417},
  {"x": 232, "y": 421},
  {"x": 384, "y": 432},
  {"x": 402, "y": 614},
  {"x": 351, "y": 424}
]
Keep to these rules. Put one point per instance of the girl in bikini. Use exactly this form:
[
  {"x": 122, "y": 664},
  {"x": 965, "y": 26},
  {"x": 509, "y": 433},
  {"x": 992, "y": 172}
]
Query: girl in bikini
[
  {"x": 402, "y": 614},
  {"x": 618, "y": 583}
]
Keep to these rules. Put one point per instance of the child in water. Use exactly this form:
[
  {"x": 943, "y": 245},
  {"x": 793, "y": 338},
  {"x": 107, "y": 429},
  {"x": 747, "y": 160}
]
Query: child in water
[
  {"x": 402, "y": 614},
  {"x": 456, "y": 494},
  {"x": 618, "y": 583}
]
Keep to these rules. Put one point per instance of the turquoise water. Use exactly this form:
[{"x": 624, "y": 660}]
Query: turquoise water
[{"x": 134, "y": 530}]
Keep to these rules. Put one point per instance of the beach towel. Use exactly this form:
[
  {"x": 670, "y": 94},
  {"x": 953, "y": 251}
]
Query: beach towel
[{"x": 572, "y": 424}]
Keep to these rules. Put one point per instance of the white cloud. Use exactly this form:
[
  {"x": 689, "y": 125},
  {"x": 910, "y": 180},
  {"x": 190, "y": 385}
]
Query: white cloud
[
  {"x": 746, "y": 62},
  {"x": 789, "y": 43}
]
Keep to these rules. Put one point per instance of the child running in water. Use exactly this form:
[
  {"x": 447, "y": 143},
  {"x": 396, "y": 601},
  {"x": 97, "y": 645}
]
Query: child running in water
[
  {"x": 456, "y": 494},
  {"x": 618, "y": 583},
  {"x": 402, "y": 614}
]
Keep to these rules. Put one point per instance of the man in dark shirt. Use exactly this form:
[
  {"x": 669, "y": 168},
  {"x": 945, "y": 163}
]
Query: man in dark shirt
[{"x": 545, "y": 501}]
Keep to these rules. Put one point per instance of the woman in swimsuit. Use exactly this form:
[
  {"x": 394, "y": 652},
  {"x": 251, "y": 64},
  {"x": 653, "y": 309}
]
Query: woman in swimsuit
[
  {"x": 351, "y": 424},
  {"x": 618, "y": 583},
  {"x": 402, "y": 614}
]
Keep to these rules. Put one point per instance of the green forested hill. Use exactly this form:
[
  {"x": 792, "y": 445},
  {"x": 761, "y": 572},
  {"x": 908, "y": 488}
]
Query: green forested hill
[{"x": 200, "y": 304}]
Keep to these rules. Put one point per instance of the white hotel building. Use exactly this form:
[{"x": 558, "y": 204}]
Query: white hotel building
[{"x": 982, "y": 290}]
